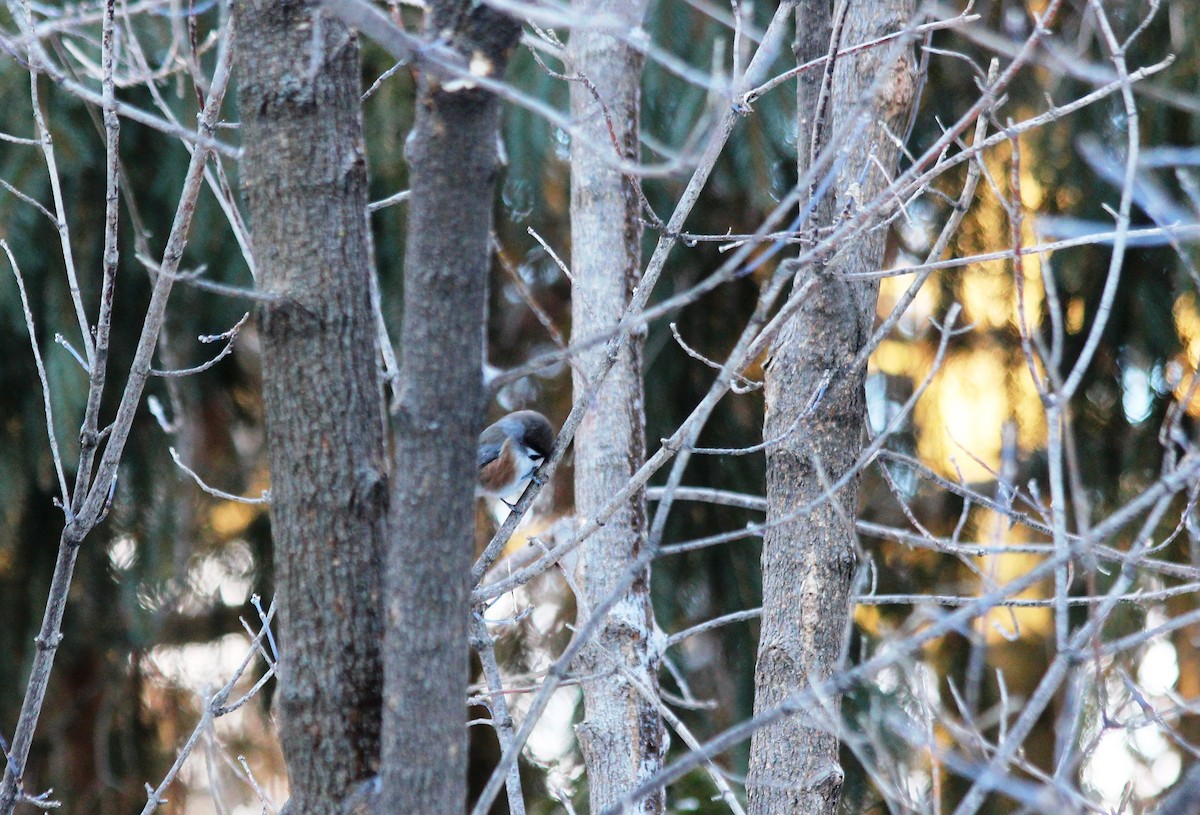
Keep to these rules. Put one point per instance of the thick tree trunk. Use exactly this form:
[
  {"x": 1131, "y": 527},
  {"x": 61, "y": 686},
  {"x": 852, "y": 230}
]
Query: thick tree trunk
[
  {"x": 453, "y": 163},
  {"x": 305, "y": 178},
  {"x": 622, "y": 734},
  {"x": 808, "y": 562}
]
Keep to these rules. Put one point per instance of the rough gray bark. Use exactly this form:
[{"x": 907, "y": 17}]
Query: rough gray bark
[
  {"x": 622, "y": 735},
  {"x": 452, "y": 162},
  {"x": 808, "y": 562},
  {"x": 305, "y": 178}
]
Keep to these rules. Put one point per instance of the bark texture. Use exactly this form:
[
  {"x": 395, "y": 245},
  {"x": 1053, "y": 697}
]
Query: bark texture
[
  {"x": 622, "y": 734},
  {"x": 452, "y": 167},
  {"x": 808, "y": 561},
  {"x": 305, "y": 179}
]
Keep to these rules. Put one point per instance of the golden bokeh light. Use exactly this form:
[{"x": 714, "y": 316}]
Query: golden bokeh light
[
  {"x": 869, "y": 619},
  {"x": 985, "y": 384},
  {"x": 988, "y": 290},
  {"x": 229, "y": 518},
  {"x": 1187, "y": 325},
  {"x": 986, "y": 295},
  {"x": 900, "y": 358},
  {"x": 1003, "y": 624},
  {"x": 1075, "y": 314},
  {"x": 916, "y": 316},
  {"x": 961, "y": 413},
  {"x": 1186, "y": 312},
  {"x": 960, "y": 416}
]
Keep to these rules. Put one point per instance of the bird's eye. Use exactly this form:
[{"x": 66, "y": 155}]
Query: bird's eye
[{"x": 536, "y": 457}]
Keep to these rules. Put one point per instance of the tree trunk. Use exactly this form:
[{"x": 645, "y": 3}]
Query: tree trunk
[
  {"x": 305, "y": 178},
  {"x": 452, "y": 161},
  {"x": 808, "y": 561},
  {"x": 622, "y": 735}
]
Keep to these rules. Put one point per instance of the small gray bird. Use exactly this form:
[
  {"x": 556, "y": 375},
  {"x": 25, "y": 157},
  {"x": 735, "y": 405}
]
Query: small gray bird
[{"x": 510, "y": 451}]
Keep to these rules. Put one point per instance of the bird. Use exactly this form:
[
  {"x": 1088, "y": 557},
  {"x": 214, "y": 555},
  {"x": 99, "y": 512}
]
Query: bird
[{"x": 510, "y": 451}]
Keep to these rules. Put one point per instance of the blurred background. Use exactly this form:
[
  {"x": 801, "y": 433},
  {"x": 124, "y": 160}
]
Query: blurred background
[{"x": 153, "y": 618}]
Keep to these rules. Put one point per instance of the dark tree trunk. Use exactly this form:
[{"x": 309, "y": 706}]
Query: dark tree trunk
[
  {"x": 622, "y": 735},
  {"x": 809, "y": 560},
  {"x": 452, "y": 166},
  {"x": 305, "y": 178}
]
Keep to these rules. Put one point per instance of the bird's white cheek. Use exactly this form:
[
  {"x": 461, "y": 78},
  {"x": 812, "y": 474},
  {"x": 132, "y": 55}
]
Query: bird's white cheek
[{"x": 524, "y": 465}]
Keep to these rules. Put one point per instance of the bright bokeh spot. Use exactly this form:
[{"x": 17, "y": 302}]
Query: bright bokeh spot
[
  {"x": 920, "y": 310},
  {"x": 988, "y": 383},
  {"x": 1076, "y": 311},
  {"x": 1004, "y": 623},
  {"x": 960, "y": 415},
  {"x": 1187, "y": 325},
  {"x": 899, "y": 358},
  {"x": 988, "y": 290},
  {"x": 986, "y": 294},
  {"x": 229, "y": 518},
  {"x": 1159, "y": 668},
  {"x": 1110, "y": 768}
]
